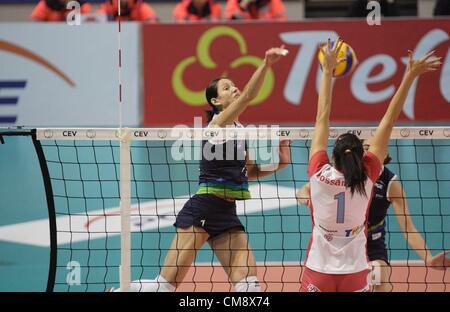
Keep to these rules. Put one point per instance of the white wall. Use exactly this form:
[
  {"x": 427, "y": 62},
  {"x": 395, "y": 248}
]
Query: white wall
[
  {"x": 426, "y": 8},
  {"x": 69, "y": 82}
]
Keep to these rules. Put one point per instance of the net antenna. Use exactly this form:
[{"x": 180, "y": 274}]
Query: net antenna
[{"x": 125, "y": 181}]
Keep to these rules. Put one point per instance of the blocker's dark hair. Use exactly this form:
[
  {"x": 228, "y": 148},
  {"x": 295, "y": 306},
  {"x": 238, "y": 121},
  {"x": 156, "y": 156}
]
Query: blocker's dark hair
[{"x": 348, "y": 154}]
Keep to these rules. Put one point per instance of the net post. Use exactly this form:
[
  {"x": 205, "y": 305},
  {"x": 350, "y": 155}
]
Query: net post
[{"x": 125, "y": 209}]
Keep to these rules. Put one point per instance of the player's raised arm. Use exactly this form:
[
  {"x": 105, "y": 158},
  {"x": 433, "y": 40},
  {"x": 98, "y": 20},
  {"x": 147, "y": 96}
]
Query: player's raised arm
[
  {"x": 255, "y": 171},
  {"x": 322, "y": 125},
  {"x": 414, "y": 69},
  {"x": 251, "y": 90},
  {"x": 304, "y": 194}
]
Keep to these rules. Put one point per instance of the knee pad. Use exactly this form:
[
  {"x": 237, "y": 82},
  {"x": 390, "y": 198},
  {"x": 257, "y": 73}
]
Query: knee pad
[
  {"x": 248, "y": 284},
  {"x": 374, "y": 277}
]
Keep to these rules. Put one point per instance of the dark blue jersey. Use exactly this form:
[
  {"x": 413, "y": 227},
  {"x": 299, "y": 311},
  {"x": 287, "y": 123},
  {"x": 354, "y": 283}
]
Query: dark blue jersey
[
  {"x": 379, "y": 205},
  {"x": 223, "y": 170}
]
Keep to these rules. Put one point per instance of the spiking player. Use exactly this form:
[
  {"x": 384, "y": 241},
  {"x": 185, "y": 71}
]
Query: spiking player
[{"x": 210, "y": 215}]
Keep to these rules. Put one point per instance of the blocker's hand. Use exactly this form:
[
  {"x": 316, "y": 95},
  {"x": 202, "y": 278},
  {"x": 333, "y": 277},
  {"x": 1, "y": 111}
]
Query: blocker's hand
[
  {"x": 330, "y": 55},
  {"x": 426, "y": 64}
]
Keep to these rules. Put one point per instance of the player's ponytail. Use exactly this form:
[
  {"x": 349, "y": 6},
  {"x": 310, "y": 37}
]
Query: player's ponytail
[
  {"x": 348, "y": 156},
  {"x": 211, "y": 93}
]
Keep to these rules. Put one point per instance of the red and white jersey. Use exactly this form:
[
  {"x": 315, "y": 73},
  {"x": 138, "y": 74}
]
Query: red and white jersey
[{"x": 338, "y": 239}]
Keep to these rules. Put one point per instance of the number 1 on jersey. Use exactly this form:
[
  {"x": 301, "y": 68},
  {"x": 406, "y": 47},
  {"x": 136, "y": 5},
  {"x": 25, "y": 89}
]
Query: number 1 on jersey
[{"x": 340, "y": 207}]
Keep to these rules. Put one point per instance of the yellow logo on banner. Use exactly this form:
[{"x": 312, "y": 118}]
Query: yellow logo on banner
[{"x": 197, "y": 98}]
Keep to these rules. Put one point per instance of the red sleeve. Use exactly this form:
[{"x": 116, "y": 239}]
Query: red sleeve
[
  {"x": 85, "y": 8},
  {"x": 216, "y": 12},
  {"x": 146, "y": 13},
  {"x": 179, "y": 12},
  {"x": 102, "y": 9},
  {"x": 232, "y": 8},
  {"x": 40, "y": 12},
  {"x": 278, "y": 10},
  {"x": 373, "y": 166},
  {"x": 317, "y": 161}
]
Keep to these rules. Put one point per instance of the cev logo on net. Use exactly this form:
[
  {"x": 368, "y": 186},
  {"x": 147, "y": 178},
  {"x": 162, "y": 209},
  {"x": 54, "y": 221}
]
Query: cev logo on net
[{"x": 203, "y": 57}]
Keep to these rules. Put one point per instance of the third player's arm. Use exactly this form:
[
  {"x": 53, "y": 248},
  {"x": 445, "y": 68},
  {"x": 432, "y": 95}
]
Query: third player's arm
[
  {"x": 304, "y": 195},
  {"x": 412, "y": 235}
]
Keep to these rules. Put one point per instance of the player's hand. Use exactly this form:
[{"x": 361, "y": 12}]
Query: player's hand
[
  {"x": 285, "y": 153},
  {"x": 428, "y": 63},
  {"x": 439, "y": 261},
  {"x": 274, "y": 54},
  {"x": 303, "y": 197},
  {"x": 330, "y": 55}
]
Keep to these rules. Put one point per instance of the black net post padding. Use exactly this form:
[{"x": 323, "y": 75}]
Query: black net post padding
[{"x": 51, "y": 211}]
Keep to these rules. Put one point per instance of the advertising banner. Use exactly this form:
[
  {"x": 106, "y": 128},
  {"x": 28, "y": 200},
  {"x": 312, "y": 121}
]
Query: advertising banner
[
  {"x": 54, "y": 74},
  {"x": 180, "y": 61}
]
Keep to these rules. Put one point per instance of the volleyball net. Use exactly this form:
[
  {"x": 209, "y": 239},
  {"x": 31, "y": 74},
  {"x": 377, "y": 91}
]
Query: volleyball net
[{"x": 113, "y": 196}]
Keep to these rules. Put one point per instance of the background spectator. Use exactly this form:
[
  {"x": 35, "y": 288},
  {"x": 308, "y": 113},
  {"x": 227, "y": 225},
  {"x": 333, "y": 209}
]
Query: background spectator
[
  {"x": 55, "y": 10},
  {"x": 442, "y": 7},
  {"x": 196, "y": 10},
  {"x": 255, "y": 9},
  {"x": 131, "y": 10}
]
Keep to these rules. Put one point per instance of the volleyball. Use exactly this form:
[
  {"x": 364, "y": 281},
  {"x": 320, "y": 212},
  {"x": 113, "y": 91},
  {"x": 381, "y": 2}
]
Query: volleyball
[{"x": 347, "y": 66}]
